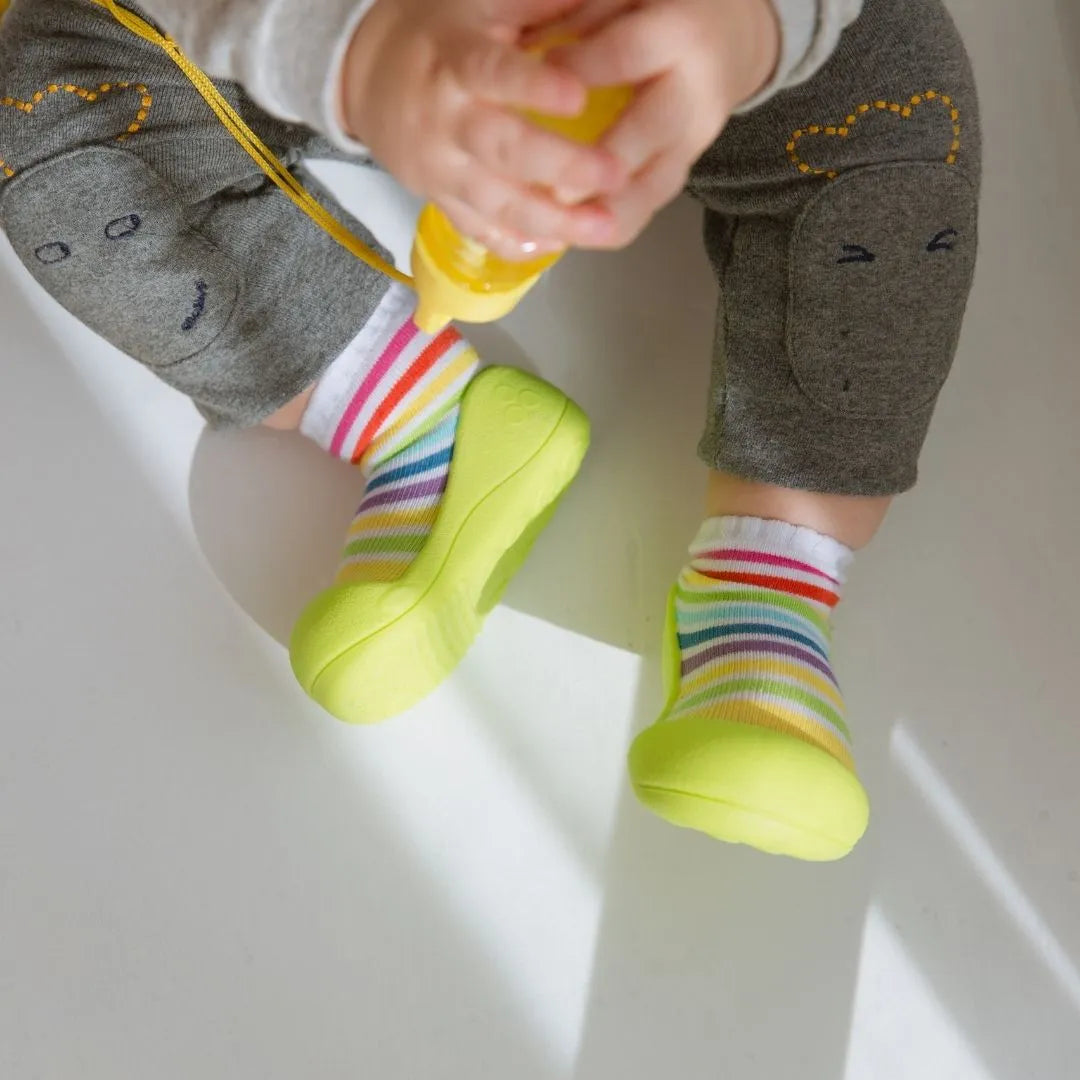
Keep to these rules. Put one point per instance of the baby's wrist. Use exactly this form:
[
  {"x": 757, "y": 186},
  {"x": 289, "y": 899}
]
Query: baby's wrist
[
  {"x": 354, "y": 73},
  {"x": 755, "y": 50}
]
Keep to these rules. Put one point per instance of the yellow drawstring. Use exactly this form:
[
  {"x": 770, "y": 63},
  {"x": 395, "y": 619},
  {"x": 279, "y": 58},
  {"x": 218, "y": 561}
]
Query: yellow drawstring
[{"x": 262, "y": 155}]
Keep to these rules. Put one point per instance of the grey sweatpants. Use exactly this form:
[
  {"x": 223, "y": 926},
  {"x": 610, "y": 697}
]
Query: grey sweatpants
[{"x": 840, "y": 219}]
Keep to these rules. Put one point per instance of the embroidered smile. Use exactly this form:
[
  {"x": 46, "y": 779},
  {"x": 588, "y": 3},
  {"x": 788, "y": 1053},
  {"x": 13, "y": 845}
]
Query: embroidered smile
[{"x": 197, "y": 309}]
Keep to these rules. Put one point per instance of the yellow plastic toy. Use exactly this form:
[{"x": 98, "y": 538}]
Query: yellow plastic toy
[{"x": 458, "y": 279}]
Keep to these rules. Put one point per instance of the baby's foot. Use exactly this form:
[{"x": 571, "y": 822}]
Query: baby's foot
[
  {"x": 463, "y": 473},
  {"x": 753, "y": 747}
]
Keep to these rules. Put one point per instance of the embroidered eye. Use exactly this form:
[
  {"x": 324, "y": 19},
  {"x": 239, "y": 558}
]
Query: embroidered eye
[
  {"x": 123, "y": 227},
  {"x": 943, "y": 241},
  {"x": 855, "y": 253},
  {"x": 50, "y": 254}
]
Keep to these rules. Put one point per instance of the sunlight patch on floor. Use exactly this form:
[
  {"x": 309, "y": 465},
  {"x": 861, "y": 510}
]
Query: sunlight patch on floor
[
  {"x": 970, "y": 839},
  {"x": 500, "y": 858},
  {"x": 900, "y": 1029}
]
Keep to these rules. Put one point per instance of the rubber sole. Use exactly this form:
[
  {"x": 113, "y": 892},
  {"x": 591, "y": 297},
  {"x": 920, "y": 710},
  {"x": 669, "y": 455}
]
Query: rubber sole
[
  {"x": 368, "y": 652},
  {"x": 750, "y": 785},
  {"x": 746, "y": 783}
]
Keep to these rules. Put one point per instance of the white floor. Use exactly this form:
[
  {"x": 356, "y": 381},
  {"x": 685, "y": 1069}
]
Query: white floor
[{"x": 201, "y": 876}]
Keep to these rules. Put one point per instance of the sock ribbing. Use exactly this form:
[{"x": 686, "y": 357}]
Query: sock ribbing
[
  {"x": 390, "y": 404},
  {"x": 753, "y": 613},
  {"x": 400, "y": 507},
  {"x": 393, "y": 383}
]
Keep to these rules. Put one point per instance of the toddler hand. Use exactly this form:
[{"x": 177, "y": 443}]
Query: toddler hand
[
  {"x": 694, "y": 61},
  {"x": 433, "y": 89}
]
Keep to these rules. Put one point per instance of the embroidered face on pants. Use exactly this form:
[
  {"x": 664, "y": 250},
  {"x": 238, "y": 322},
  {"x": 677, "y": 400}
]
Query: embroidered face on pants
[
  {"x": 102, "y": 232},
  {"x": 881, "y": 264}
]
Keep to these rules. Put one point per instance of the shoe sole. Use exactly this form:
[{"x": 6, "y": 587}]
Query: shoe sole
[{"x": 368, "y": 652}]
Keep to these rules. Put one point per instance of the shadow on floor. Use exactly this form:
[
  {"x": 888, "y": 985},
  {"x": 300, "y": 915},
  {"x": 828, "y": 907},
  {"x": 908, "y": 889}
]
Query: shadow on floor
[
  {"x": 193, "y": 839},
  {"x": 659, "y": 994},
  {"x": 270, "y": 511}
]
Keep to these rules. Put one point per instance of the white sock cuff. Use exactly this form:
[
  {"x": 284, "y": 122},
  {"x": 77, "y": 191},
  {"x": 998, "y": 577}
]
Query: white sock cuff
[
  {"x": 340, "y": 381},
  {"x": 775, "y": 538}
]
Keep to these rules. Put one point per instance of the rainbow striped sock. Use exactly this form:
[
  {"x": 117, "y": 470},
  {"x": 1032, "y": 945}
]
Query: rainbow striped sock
[
  {"x": 753, "y": 613},
  {"x": 389, "y": 405},
  {"x": 400, "y": 507}
]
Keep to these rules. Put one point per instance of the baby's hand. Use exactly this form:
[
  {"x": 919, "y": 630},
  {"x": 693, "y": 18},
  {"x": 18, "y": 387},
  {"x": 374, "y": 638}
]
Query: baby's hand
[
  {"x": 433, "y": 89},
  {"x": 695, "y": 61}
]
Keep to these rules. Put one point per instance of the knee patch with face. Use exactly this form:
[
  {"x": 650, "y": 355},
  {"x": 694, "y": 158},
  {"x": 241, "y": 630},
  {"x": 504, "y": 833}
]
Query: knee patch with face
[
  {"x": 881, "y": 263},
  {"x": 842, "y": 224},
  {"x": 236, "y": 300},
  {"x": 108, "y": 238},
  {"x": 129, "y": 202}
]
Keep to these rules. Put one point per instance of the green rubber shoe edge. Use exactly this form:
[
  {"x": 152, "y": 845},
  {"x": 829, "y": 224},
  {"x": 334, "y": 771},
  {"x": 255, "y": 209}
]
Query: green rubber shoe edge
[
  {"x": 745, "y": 784},
  {"x": 367, "y": 652}
]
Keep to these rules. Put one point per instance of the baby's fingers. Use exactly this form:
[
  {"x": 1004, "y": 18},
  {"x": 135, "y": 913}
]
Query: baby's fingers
[
  {"x": 662, "y": 119},
  {"x": 577, "y": 23},
  {"x": 530, "y": 212},
  {"x": 655, "y": 120},
  {"x": 506, "y": 75},
  {"x": 506, "y": 244},
  {"x": 632, "y": 48},
  {"x": 512, "y": 147},
  {"x": 651, "y": 190}
]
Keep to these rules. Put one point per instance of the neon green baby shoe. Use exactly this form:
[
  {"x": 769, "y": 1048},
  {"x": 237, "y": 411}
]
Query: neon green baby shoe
[
  {"x": 752, "y": 746},
  {"x": 367, "y": 650}
]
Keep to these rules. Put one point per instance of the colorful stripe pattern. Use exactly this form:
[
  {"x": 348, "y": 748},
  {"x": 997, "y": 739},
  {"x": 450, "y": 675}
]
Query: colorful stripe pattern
[
  {"x": 392, "y": 384},
  {"x": 400, "y": 507},
  {"x": 753, "y": 613},
  {"x": 409, "y": 387},
  {"x": 390, "y": 404}
]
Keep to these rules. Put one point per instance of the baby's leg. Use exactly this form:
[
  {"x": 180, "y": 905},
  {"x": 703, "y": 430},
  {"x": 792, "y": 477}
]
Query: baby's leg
[
  {"x": 852, "y": 519},
  {"x": 461, "y": 474},
  {"x": 841, "y": 222},
  {"x": 290, "y": 416},
  {"x": 132, "y": 205}
]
